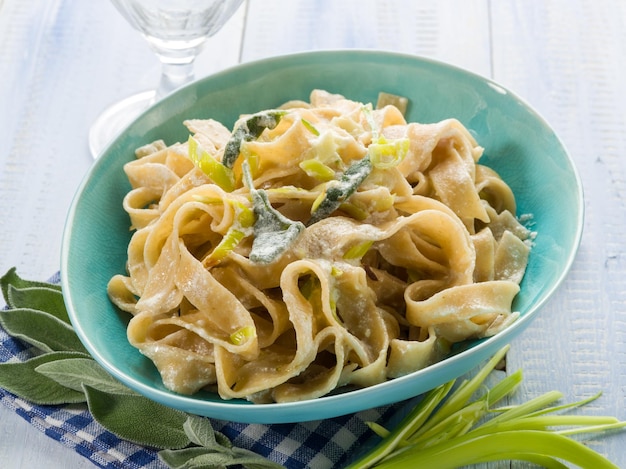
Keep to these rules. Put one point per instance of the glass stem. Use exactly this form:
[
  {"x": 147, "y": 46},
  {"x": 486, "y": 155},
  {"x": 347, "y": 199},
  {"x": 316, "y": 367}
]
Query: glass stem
[
  {"x": 177, "y": 63},
  {"x": 173, "y": 76}
]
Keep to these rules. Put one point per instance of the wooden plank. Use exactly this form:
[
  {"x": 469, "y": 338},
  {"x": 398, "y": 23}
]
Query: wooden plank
[
  {"x": 62, "y": 64},
  {"x": 566, "y": 59},
  {"x": 62, "y": 87},
  {"x": 22, "y": 446},
  {"x": 449, "y": 30}
]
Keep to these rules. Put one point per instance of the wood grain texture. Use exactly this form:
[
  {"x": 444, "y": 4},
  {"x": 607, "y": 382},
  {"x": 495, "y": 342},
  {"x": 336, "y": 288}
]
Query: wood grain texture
[
  {"x": 63, "y": 62},
  {"x": 23, "y": 447},
  {"x": 67, "y": 62},
  {"x": 449, "y": 30},
  {"x": 566, "y": 59}
]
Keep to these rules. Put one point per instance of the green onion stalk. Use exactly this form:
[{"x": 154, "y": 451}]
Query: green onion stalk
[{"x": 448, "y": 430}]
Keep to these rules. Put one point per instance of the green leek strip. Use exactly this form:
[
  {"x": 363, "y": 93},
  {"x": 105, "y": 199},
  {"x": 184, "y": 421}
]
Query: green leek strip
[
  {"x": 354, "y": 211},
  {"x": 567, "y": 406},
  {"x": 244, "y": 215},
  {"x": 504, "y": 387},
  {"x": 384, "y": 154},
  {"x": 243, "y": 335},
  {"x": 388, "y": 154},
  {"x": 358, "y": 250},
  {"x": 585, "y": 422},
  {"x": 465, "y": 391},
  {"x": 296, "y": 192},
  {"x": 207, "y": 200},
  {"x": 310, "y": 127},
  {"x": 455, "y": 425},
  {"x": 228, "y": 243},
  {"x": 318, "y": 170},
  {"x": 527, "y": 408},
  {"x": 244, "y": 219},
  {"x": 216, "y": 171},
  {"x": 318, "y": 201}
]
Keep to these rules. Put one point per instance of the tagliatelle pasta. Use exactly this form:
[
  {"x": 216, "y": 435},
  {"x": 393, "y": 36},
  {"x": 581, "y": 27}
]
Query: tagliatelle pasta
[{"x": 318, "y": 245}]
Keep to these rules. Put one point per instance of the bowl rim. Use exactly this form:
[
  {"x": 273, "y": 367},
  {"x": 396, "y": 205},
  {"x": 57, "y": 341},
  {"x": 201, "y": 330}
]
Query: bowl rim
[{"x": 353, "y": 400}]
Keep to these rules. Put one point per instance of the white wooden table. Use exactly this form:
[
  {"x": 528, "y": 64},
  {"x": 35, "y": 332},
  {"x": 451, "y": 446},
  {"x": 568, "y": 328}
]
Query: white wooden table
[{"x": 62, "y": 62}]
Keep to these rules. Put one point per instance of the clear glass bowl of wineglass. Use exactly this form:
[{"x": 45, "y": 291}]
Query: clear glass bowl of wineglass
[{"x": 176, "y": 31}]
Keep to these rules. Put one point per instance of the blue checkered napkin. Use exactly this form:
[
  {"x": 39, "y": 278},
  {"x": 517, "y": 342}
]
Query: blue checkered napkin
[{"x": 319, "y": 444}]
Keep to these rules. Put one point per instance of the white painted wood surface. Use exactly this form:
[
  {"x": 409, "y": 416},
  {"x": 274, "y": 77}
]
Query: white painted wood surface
[{"x": 62, "y": 62}]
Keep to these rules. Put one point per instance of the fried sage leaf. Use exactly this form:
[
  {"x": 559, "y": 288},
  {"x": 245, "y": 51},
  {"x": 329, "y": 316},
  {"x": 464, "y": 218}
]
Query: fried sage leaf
[
  {"x": 338, "y": 191},
  {"x": 274, "y": 233},
  {"x": 248, "y": 130}
]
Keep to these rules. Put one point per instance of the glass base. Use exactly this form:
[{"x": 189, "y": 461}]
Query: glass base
[{"x": 115, "y": 118}]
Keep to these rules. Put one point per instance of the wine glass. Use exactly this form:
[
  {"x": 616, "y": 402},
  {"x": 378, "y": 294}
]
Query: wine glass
[{"x": 176, "y": 31}]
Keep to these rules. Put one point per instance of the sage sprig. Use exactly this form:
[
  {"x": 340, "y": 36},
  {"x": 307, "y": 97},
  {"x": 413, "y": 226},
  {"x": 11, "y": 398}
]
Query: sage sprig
[
  {"x": 22, "y": 379},
  {"x": 62, "y": 372},
  {"x": 213, "y": 450}
]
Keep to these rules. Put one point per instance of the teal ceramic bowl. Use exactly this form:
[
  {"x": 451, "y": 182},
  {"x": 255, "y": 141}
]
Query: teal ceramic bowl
[{"x": 518, "y": 144}]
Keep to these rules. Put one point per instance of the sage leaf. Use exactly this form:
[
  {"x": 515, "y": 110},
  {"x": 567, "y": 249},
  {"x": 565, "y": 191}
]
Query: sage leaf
[
  {"x": 249, "y": 130},
  {"x": 11, "y": 278},
  {"x": 183, "y": 458},
  {"x": 273, "y": 232},
  {"x": 214, "y": 450},
  {"x": 74, "y": 372},
  {"x": 200, "y": 432},
  {"x": 196, "y": 458},
  {"x": 45, "y": 299},
  {"x": 252, "y": 460},
  {"x": 204, "y": 458},
  {"x": 338, "y": 191},
  {"x": 41, "y": 330},
  {"x": 22, "y": 379},
  {"x": 138, "y": 419}
]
